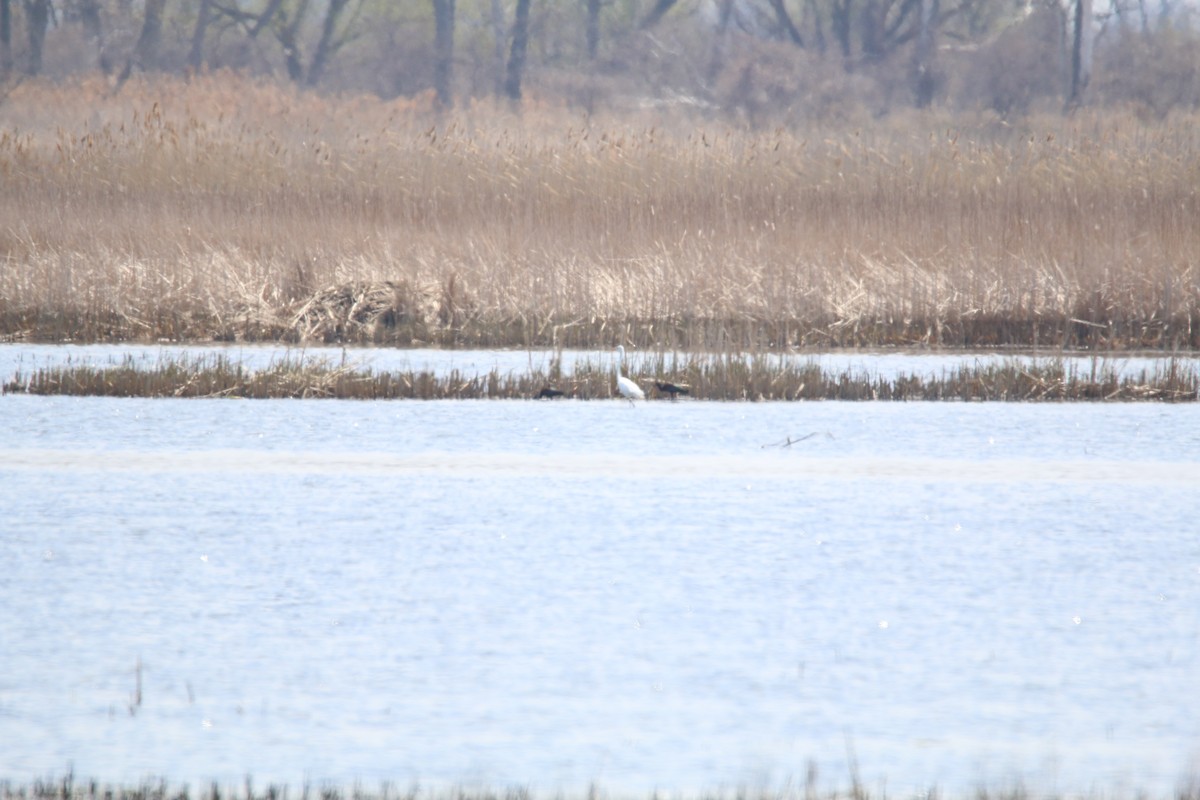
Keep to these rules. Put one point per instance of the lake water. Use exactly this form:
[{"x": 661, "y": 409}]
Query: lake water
[{"x": 559, "y": 593}]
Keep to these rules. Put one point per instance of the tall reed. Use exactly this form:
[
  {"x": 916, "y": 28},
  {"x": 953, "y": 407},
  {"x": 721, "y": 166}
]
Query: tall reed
[
  {"x": 225, "y": 209},
  {"x": 701, "y": 377}
]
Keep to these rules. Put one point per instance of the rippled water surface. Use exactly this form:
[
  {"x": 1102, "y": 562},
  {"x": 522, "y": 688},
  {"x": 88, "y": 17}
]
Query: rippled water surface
[{"x": 556, "y": 593}]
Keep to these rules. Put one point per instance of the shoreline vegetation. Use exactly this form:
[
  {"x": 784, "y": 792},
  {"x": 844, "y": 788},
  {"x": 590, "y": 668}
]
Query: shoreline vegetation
[
  {"x": 69, "y": 788},
  {"x": 221, "y": 208},
  {"x": 698, "y": 377}
]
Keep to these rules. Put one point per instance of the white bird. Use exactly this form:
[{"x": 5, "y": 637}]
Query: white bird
[{"x": 628, "y": 389}]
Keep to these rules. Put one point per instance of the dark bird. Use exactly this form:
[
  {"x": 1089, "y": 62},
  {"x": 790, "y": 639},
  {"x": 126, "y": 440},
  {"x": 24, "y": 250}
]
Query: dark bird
[
  {"x": 548, "y": 391},
  {"x": 673, "y": 389}
]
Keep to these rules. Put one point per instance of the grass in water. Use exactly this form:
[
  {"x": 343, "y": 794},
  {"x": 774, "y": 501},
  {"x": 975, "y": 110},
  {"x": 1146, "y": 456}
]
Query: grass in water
[
  {"x": 701, "y": 377},
  {"x": 68, "y": 788}
]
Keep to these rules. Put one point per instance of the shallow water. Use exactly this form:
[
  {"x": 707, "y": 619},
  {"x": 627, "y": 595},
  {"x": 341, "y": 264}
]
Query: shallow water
[{"x": 556, "y": 593}]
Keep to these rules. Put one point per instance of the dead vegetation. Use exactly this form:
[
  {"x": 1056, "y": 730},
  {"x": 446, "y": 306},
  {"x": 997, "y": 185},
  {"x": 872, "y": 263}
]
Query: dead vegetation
[
  {"x": 71, "y": 788},
  {"x": 222, "y": 209},
  {"x": 705, "y": 377}
]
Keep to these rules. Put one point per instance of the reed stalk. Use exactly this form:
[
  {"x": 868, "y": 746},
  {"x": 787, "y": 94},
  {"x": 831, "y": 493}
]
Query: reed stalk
[{"x": 729, "y": 377}]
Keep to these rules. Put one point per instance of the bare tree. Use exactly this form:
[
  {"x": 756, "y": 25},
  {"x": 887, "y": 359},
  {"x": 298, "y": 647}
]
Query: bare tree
[
  {"x": 254, "y": 24},
  {"x": 499, "y": 36},
  {"x": 887, "y": 24},
  {"x": 204, "y": 16},
  {"x": 37, "y": 20},
  {"x": 1081, "y": 53},
  {"x": 720, "y": 49},
  {"x": 785, "y": 21},
  {"x": 145, "y": 51},
  {"x": 661, "y": 7},
  {"x": 443, "y": 45},
  {"x": 88, "y": 13},
  {"x": 287, "y": 22},
  {"x": 516, "y": 56},
  {"x": 264, "y": 19},
  {"x": 287, "y": 31},
  {"x": 592, "y": 27},
  {"x": 818, "y": 27},
  {"x": 6, "y": 59},
  {"x": 327, "y": 44},
  {"x": 924, "y": 79},
  {"x": 842, "y": 22}
]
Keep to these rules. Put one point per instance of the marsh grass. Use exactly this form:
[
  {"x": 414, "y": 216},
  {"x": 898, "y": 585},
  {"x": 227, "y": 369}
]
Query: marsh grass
[
  {"x": 708, "y": 377},
  {"x": 224, "y": 209},
  {"x": 68, "y": 788}
]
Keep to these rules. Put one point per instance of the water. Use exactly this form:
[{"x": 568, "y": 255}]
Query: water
[{"x": 555, "y": 593}]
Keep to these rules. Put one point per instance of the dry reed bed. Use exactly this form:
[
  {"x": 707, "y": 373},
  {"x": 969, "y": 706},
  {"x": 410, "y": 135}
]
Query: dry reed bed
[
  {"x": 730, "y": 377},
  {"x": 225, "y": 209}
]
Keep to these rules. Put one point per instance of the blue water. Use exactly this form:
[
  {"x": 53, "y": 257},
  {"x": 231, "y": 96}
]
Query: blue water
[{"x": 559, "y": 593}]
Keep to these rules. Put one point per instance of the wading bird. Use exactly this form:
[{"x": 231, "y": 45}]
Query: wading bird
[
  {"x": 673, "y": 389},
  {"x": 628, "y": 389}
]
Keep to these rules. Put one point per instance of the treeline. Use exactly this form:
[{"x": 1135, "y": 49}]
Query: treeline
[{"x": 763, "y": 62}]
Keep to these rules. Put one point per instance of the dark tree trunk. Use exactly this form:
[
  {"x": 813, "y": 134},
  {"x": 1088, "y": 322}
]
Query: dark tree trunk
[
  {"x": 593, "y": 28},
  {"x": 818, "y": 26},
  {"x": 291, "y": 55},
  {"x": 871, "y": 30},
  {"x": 6, "y": 61},
  {"x": 842, "y": 23},
  {"x": 499, "y": 37},
  {"x": 264, "y": 19},
  {"x": 325, "y": 44},
  {"x": 516, "y": 57},
  {"x": 252, "y": 23},
  {"x": 93, "y": 27},
  {"x": 37, "y": 15},
  {"x": 151, "y": 37},
  {"x": 924, "y": 78},
  {"x": 287, "y": 32},
  {"x": 785, "y": 22},
  {"x": 203, "y": 18},
  {"x": 1081, "y": 54},
  {"x": 661, "y": 7},
  {"x": 720, "y": 48},
  {"x": 443, "y": 45},
  {"x": 145, "y": 52}
]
